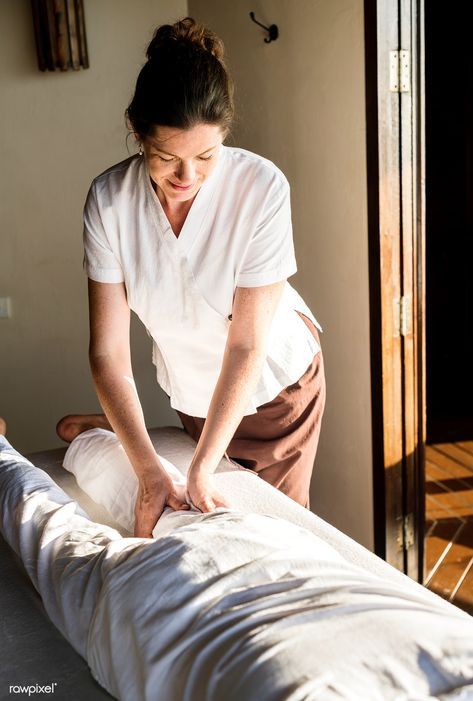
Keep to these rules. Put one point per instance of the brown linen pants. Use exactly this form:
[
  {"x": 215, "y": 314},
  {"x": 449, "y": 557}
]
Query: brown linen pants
[{"x": 280, "y": 441}]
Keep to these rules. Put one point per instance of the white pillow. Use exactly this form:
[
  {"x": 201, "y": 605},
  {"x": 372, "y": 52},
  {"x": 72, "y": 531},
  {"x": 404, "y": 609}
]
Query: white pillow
[{"x": 102, "y": 469}]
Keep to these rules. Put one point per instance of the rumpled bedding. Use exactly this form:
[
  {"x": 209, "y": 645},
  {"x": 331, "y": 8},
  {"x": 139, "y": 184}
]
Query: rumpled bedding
[{"x": 228, "y": 605}]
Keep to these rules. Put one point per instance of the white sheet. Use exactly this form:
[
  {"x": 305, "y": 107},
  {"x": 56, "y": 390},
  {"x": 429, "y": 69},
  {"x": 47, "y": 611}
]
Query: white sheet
[
  {"x": 229, "y": 606},
  {"x": 102, "y": 469}
]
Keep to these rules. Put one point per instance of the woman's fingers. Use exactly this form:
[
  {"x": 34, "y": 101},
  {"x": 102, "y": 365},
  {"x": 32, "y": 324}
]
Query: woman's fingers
[
  {"x": 206, "y": 505},
  {"x": 210, "y": 503},
  {"x": 216, "y": 502},
  {"x": 223, "y": 502},
  {"x": 176, "y": 503}
]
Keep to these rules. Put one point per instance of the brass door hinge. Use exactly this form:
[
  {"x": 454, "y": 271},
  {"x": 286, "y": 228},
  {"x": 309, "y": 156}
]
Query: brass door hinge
[
  {"x": 399, "y": 71},
  {"x": 402, "y": 315},
  {"x": 405, "y": 532}
]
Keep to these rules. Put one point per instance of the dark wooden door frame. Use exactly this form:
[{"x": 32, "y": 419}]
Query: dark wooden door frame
[{"x": 395, "y": 167}]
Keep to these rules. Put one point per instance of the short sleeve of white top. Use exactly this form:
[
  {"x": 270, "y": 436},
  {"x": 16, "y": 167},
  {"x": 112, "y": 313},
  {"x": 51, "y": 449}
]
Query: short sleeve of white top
[{"x": 238, "y": 233}]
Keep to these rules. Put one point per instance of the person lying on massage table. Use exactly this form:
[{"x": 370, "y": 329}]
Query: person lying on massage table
[{"x": 228, "y": 605}]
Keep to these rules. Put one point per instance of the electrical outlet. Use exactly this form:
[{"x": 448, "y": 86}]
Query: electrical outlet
[{"x": 5, "y": 307}]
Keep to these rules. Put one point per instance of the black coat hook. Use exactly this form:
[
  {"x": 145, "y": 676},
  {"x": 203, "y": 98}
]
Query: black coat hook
[{"x": 273, "y": 31}]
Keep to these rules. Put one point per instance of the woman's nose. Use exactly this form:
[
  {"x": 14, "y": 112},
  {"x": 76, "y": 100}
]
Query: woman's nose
[{"x": 186, "y": 172}]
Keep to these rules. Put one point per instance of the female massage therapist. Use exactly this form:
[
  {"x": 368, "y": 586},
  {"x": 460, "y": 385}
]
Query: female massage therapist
[{"x": 196, "y": 238}]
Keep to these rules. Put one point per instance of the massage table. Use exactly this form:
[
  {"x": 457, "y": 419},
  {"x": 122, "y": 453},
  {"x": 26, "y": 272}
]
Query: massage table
[
  {"x": 356, "y": 585},
  {"x": 33, "y": 650}
]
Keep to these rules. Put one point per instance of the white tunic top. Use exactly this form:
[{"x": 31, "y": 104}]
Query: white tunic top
[{"x": 237, "y": 233}]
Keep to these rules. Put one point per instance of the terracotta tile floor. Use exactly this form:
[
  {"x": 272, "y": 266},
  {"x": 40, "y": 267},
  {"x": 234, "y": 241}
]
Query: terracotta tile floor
[{"x": 449, "y": 522}]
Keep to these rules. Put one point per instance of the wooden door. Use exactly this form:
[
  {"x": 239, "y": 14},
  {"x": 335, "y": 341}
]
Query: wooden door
[{"x": 394, "y": 76}]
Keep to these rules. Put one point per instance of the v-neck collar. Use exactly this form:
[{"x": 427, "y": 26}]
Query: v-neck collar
[{"x": 198, "y": 209}]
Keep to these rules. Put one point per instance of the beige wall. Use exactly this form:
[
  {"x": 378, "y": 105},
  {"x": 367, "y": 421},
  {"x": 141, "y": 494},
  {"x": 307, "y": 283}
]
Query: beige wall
[
  {"x": 301, "y": 103},
  {"x": 57, "y": 131}
]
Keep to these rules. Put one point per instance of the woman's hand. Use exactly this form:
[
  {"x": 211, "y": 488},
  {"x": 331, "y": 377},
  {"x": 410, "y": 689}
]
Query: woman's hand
[
  {"x": 156, "y": 491},
  {"x": 202, "y": 491}
]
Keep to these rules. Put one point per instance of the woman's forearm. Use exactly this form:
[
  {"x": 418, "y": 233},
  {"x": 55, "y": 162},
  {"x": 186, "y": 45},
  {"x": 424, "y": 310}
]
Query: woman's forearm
[
  {"x": 117, "y": 394},
  {"x": 253, "y": 311},
  {"x": 239, "y": 376}
]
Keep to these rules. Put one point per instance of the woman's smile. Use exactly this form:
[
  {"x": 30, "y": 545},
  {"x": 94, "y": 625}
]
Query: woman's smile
[{"x": 182, "y": 187}]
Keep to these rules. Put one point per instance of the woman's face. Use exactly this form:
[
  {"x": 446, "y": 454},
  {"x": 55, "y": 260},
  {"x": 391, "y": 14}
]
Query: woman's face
[{"x": 179, "y": 160}]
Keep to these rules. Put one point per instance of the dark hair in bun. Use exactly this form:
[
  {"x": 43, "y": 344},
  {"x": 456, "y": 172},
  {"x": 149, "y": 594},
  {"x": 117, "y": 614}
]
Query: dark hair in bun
[{"x": 184, "y": 82}]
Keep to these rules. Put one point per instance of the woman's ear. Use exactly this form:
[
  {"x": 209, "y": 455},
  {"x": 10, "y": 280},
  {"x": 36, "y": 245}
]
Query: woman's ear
[{"x": 139, "y": 143}]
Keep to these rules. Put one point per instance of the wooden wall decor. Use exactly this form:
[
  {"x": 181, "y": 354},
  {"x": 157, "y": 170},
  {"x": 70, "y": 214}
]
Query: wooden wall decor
[{"x": 60, "y": 34}]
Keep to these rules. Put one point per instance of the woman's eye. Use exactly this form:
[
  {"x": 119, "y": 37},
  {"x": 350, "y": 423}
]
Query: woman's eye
[{"x": 170, "y": 160}]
